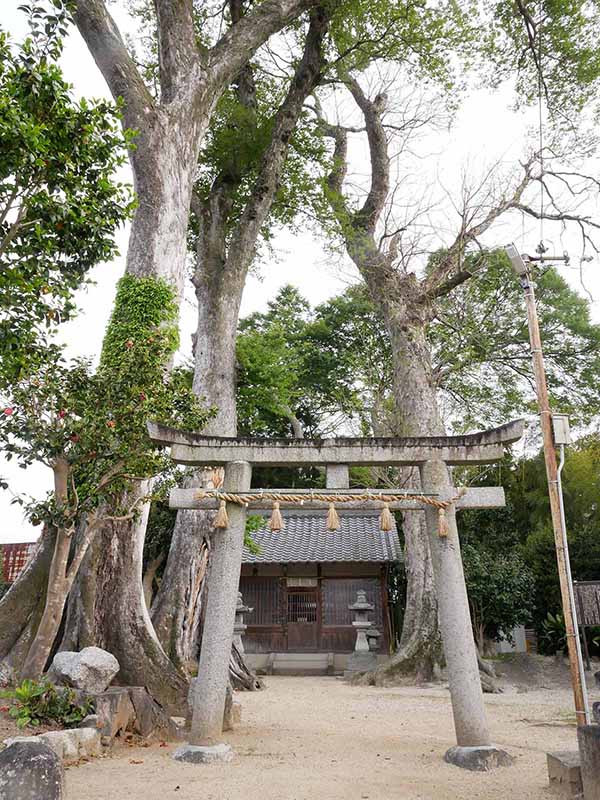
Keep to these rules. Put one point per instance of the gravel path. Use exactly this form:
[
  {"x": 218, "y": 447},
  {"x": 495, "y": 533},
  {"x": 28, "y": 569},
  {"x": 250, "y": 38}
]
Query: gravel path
[{"x": 320, "y": 739}]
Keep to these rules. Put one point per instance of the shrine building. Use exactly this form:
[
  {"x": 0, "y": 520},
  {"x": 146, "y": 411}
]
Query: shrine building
[{"x": 300, "y": 586}]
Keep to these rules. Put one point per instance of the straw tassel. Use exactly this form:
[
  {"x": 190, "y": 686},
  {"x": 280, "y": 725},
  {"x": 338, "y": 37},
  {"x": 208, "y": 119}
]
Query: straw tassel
[
  {"x": 442, "y": 523},
  {"x": 333, "y": 521},
  {"x": 385, "y": 520},
  {"x": 276, "y": 523},
  {"x": 222, "y": 520}
]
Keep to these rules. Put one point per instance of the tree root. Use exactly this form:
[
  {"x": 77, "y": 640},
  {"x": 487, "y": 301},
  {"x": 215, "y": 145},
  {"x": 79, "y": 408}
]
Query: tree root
[{"x": 241, "y": 677}]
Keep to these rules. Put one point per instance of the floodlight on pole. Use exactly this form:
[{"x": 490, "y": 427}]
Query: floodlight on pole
[
  {"x": 519, "y": 264},
  {"x": 555, "y": 431}
]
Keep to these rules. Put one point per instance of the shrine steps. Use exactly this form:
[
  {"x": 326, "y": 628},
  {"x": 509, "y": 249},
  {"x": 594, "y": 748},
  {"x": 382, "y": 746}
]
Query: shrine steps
[{"x": 301, "y": 664}]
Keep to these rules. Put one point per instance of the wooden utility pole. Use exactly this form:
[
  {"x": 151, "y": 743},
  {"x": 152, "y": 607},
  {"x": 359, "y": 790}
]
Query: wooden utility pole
[{"x": 577, "y": 677}]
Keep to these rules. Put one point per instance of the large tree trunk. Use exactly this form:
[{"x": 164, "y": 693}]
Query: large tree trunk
[
  {"x": 107, "y": 609},
  {"x": 22, "y": 606},
  {"x": 107, "y": 606},
  {"x": 417, "y": 414},
  {"x": 177, "y": 608},
  {"x": 420, "y": 651},
  {"x": 58, "y": 582}
]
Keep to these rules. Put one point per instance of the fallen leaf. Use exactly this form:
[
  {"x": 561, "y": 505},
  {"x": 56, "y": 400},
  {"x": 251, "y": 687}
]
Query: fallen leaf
[{"x": 133, "y": 761}]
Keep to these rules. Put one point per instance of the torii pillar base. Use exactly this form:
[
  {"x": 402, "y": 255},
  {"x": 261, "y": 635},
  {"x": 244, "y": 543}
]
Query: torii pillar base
[{"x": 478, "y": 759}]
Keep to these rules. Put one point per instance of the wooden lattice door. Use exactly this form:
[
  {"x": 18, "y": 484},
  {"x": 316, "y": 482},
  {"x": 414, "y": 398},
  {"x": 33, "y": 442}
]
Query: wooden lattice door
[{"x": 302, "y": 619}]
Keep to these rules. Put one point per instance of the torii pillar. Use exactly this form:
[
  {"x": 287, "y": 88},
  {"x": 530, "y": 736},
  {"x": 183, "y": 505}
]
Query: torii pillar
[{"x": 432, "y": 455}]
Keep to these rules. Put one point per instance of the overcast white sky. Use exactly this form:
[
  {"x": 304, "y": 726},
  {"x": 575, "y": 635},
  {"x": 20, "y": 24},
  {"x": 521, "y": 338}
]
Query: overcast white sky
[{"x": 486, "y": 130}]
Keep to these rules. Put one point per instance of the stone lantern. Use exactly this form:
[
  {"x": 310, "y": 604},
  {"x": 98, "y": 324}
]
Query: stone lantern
[
  {"x": 361, "y": 622},
  {"x": 238, "y": 627},
  {"x": 362, "y": 659}
]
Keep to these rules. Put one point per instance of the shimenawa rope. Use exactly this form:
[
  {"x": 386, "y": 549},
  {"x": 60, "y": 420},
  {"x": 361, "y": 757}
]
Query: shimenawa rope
[{"x": 333, "y": 520}]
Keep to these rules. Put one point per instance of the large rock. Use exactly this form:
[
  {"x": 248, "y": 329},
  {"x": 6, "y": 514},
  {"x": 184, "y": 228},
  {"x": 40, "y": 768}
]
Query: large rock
[
  {"x": 90, "y": 670},
  {"x": 30, "y": 771}
]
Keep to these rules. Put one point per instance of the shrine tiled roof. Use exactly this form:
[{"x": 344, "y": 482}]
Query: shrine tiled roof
[{"x": 305, "y": 538}]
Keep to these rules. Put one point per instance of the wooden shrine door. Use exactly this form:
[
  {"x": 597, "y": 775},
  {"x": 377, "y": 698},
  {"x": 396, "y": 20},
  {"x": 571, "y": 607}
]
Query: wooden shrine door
[{"x": 303, "y": 619}]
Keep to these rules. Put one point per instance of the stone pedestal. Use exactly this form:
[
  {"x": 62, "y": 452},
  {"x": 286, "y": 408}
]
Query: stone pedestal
[
  {"x": 564, "y": 774},
  {"x": 478, "y": 759},
  {"x": 588, "y": 737}
]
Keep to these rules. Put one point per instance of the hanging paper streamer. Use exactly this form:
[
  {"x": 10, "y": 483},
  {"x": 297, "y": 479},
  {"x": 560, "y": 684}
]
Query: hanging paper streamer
[
  {"x": 333, "y": 521},
  {"x": 221, "y": 520},
  {"x": 442, "y": 523},
  {"x": 276, "y": 523},
  {"x": 386, "y": 522}
]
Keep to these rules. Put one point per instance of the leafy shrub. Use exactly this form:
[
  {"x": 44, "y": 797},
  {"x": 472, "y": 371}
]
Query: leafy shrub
[
  {"x": 36, "y": 703},
  {"x": 553, "y": 637}
]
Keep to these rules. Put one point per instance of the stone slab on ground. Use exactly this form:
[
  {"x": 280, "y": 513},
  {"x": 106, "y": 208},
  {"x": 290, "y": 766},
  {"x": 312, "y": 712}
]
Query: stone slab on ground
[
  {"x": 564, "y": 773},
  {"x": 150, "y": 718},
  {"x": 203, "y": 754},
  {"x": 588, "y": 737},
  {"x": 31, "y": 771},
  {"x": 478, "y": 759},
  {"x": 91, "y": 670},
  {"x": 114, "y": 710},
  {"x": 68, "y": 745}
]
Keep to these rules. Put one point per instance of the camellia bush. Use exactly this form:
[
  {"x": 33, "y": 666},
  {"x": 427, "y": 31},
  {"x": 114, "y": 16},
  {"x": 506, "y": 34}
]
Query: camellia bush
[
  {"x": 60, "y": 202},
  {"x": 89, "y": 427}
]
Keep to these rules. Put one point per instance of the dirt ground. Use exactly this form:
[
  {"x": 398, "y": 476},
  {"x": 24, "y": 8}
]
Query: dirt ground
[{"x": 318, "y": 738}]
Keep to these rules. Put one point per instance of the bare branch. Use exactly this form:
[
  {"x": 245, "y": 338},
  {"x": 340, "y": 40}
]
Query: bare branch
[
  {"x": 372, "y": 110},
  {"x": 305, "y": 79}
]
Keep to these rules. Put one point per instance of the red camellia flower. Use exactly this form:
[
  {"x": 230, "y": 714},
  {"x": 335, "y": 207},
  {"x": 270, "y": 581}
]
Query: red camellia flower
[
  {"x": 111, "y": 423},
  {"x": 74, "y": 437},
  {"x": 142, "y": 396},
  {"x": 62, "y": 413},
  {"x": 8, "y": 412},
  {"x": 129, "y": 344}
]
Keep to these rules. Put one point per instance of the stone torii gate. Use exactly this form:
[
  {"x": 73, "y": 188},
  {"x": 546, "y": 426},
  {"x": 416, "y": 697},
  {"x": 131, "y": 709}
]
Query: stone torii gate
[{"x": 431, "y": 455}]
